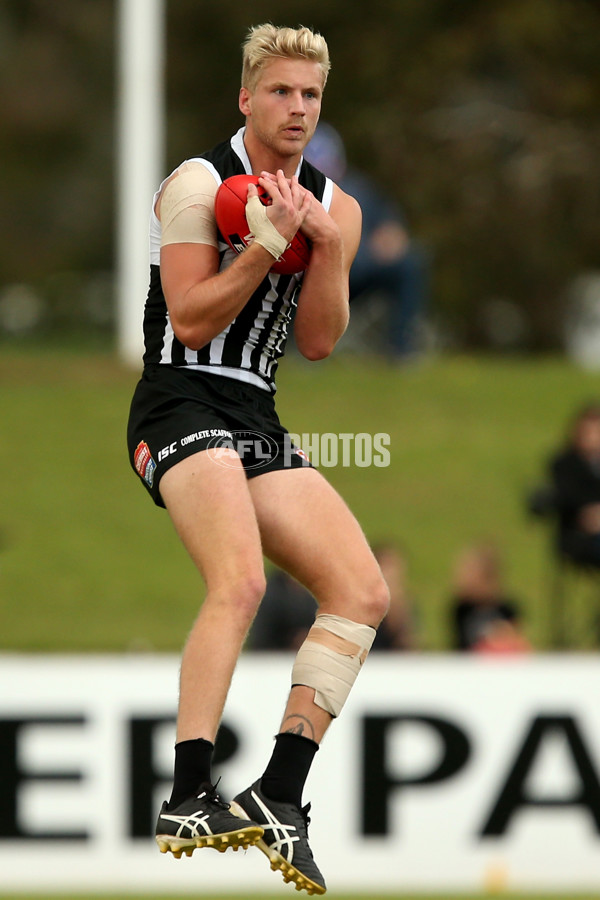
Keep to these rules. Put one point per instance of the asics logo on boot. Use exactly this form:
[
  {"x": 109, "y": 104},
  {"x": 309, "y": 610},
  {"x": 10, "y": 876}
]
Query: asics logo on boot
[{"x": 283, "y": 839}]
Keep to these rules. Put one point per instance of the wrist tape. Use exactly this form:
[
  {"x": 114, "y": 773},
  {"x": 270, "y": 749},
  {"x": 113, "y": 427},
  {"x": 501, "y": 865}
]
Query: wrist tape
[{"x": 263, "y": 229}]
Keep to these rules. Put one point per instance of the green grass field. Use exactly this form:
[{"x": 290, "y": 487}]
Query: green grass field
[{"x": 87, "y": 563}]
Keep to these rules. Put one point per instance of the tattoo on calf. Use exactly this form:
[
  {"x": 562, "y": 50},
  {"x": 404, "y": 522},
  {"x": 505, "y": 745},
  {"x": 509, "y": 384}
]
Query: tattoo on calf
[{"x": 302, "y": 725}]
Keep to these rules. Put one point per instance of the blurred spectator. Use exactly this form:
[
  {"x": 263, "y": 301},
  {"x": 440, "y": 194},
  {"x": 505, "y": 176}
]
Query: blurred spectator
[
  {"x": 286, "y": 613},
  {"x": 484, "y": 619},
  {"x": 288, "y": 609},
  {"x": 575, "y": 489},
  {"x": 388, "y": 260},
  {"x": 397, "y": 631}
]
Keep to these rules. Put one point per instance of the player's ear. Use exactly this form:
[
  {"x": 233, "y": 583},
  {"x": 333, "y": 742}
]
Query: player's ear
[{"x": 244, "y": 101}]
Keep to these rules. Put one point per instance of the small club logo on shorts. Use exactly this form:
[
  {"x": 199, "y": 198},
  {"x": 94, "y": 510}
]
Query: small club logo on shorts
[{"x": 143, "y": 462}]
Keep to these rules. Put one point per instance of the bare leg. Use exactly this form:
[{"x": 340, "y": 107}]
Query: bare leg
[
  {"x": 307, "y": 529},
  {"x": 212, "y": 511},
  {"x": 213, "y": 514}
]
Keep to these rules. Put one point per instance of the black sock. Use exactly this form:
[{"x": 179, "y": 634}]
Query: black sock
[
  {"x": 283, "y": 779},
  {"x": 192, "y": 767}
]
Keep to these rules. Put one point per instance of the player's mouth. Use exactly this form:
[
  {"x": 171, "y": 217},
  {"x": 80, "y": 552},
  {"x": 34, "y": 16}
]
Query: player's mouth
[{"x": 294, "y": 131}]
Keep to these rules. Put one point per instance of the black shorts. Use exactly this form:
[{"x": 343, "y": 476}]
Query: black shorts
[{"x": 176, "y": 413}]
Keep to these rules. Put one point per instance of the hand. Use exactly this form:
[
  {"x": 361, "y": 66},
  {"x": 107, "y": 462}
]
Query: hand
[
  {"x": 290, "y": 203},
  {"x": 317, "y": 224}
]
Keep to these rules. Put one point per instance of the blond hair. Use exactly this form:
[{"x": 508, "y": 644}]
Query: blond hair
[{"x": 266, "y": 42}]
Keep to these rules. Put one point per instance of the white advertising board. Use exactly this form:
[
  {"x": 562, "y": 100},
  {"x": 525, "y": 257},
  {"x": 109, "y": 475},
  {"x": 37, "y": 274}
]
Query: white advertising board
[{"x": 443, "y": 773}]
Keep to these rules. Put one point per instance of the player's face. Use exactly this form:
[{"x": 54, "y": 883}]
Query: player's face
[{"x": 283, "y": 109}]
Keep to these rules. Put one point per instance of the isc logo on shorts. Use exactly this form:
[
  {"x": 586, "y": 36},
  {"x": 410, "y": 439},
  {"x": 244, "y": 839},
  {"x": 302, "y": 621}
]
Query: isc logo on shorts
[{"x": 166, "y": 451}]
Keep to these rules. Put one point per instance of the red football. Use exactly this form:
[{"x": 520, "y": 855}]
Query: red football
[{"x": 230, "y": 213}]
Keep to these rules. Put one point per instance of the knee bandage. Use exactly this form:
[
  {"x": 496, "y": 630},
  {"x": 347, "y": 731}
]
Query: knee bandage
[{"x": 330, "y": 659}]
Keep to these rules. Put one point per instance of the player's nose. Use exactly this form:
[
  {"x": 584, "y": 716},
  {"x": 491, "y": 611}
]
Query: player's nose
[{"x": 298, "y": 105}]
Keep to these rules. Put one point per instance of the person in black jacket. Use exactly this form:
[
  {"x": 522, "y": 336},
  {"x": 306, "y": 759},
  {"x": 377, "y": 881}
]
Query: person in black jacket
[{"x": 575, "y": 478}]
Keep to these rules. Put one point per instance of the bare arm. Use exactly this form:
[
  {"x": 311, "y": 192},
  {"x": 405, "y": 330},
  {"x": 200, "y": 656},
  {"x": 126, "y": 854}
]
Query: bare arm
[
  {"x": 323, "y": 309},
  {"x": 203, "y": 301}
]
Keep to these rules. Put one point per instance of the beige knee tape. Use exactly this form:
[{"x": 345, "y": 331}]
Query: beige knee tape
[{"x": 330, "y": 659}]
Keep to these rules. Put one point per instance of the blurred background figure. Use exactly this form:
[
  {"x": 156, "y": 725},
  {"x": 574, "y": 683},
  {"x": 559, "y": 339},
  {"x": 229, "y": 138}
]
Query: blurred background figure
[
  {"x": 575, "y": 489},
  {"x": 484, "y": 618},
  {"x": 388, "y": 262},
  {"x": 288, "y": 610},
  {"x": 286, "y": 613},
  {"x": 398, "y": 629}
]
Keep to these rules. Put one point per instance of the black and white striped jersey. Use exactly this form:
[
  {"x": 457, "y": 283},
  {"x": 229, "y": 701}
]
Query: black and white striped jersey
[{"x": 250, "y": 347}]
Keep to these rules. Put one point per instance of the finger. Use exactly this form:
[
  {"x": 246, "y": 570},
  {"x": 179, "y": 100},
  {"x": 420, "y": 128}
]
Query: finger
[
  {"x": 298, "y": 191},
  {"x": 283, "y": 183},
  {"x": 252, "y": 190},
  {"x": 269, "y": 186},
  {"x": 305, "y": 198},
  {"x": 306, "y": 205}
]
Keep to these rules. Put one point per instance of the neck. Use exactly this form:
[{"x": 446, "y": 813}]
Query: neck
[{"x": 265, "y": 159}]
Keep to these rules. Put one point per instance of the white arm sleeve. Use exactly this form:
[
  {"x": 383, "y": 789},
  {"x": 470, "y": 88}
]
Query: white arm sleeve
[{"x": 187, "y": 207}]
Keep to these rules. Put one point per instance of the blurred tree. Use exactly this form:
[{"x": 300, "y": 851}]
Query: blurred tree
[
  {"x": 482, "y": 119},
  {"x": 57, "y": 136}
]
